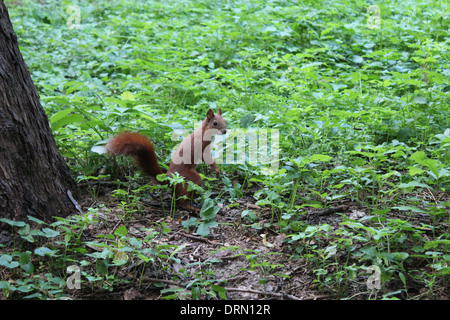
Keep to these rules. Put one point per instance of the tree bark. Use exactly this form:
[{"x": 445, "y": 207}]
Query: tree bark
[{"x": 34, "y": 178}]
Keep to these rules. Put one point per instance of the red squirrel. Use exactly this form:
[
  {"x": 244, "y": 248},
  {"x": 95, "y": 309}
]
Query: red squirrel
[{"x": 189, "y": 153}]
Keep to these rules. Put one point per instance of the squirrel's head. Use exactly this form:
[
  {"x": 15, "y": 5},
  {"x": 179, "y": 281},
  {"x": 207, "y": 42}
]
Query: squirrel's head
[{"x": 216, "y": 121}]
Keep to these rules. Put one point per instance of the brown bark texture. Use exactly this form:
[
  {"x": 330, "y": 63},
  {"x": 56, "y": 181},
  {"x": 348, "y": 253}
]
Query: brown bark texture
[{"x": 34, "y": 178}]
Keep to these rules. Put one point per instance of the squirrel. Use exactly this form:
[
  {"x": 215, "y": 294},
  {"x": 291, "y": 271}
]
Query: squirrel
[{"x": 189, "y": 153}]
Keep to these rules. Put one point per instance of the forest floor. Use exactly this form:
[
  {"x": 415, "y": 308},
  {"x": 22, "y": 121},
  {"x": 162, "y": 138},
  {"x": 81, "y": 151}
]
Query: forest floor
[
  {"x": 248, "y": 262},
  {"x": 359, "y": 95}
]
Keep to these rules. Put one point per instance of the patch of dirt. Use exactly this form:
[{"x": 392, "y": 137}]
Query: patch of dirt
[{"x": 249, "y": 261}]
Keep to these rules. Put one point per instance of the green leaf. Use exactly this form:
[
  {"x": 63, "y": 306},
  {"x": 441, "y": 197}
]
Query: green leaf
[
  {"x": 12, "y": 222},
  {"x": 38, "y": 221},
  {"x": 414, "y": 171},
  {"x": 144, "y": 257},
  {"x": 6, "y": 261},
  {"x": 102, "y": 267},
  {"x": 70, "y": 119},
  {"x": 209, "y": 209},
  {"x": 320, "y": 157},
  {"x": 220, "y": 291},
  {"x": 409, "y": 208},
  {"x": 402, "y": 277},
  {"x": 61, "y": 114},
  {"x": 25, "y": 288},
  {"x": 121, "y": 231},
  {"x": 337, "y": 87},
  {"x": 420, "y": 158},
  {"x": 247, "y": 120},
  {"x": 50, "y": 233},
  {"x": 400, "y": 255},
  {"x": 42, "y": 251},
  {"x": 99, "y": 149},
  {"x": 330, "y": 251},
  {"x": 195, "y": 293},
  {"x": 137, "y": 243},
  {"x": 413, "y": 184},
  {"x": 357, "y": 59},
  {"x": 203, "y": 228},
  {"x": 191, "y": 222},
  {"x": 25, "y": 262},
  {"x": 420, "y": 99},
  {"x": 436, "y": 243},
  {"x": 127, "y": 95},
  {"x": 7, "y": 286}
]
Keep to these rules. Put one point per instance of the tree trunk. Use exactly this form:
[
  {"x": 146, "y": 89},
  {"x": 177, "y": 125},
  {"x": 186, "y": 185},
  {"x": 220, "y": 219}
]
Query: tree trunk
[{"x": 34, "y": 178}]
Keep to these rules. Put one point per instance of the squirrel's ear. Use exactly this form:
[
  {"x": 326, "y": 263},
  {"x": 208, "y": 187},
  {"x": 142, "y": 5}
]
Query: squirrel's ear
[
  {"x": 209, "y": 114},
  {"x": 220, "y": 111}
]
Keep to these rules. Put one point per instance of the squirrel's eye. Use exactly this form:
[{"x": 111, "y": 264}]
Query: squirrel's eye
[{"x": 215, "y": 122}]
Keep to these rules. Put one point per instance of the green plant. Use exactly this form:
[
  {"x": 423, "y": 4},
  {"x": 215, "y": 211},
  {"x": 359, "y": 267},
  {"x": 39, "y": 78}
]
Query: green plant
[
  {"x": 362, "y": 114},
  {"x": 259, "y": 261}
]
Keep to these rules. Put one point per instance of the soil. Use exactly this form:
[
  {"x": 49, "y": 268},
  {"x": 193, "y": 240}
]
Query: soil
[
  {"x": 252, "y": 261},
  {"x": 225, "y": 257}
]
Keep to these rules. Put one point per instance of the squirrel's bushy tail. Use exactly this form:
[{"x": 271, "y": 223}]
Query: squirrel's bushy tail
[{"x": 140, "y": 148}]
